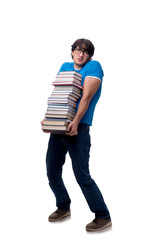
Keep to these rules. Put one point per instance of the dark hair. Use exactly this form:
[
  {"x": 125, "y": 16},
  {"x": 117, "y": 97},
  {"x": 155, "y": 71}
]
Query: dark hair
[{"x": 84, "y": 43}]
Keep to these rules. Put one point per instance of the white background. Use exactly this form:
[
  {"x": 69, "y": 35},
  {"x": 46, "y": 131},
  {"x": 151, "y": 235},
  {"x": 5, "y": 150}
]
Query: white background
[{"x": 36, "y": 38}]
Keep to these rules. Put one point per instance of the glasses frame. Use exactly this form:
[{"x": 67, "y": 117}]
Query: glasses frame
[{"x": 79, "y": 51}]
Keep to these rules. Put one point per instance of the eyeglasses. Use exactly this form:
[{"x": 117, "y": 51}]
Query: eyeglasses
[{"x": 79, "y": 50}]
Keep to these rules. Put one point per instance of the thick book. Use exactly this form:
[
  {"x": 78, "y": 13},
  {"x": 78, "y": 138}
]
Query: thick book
[
  {"x": 51, "y": 103},
  {"x": 55, "y": 129},
  {"x": 74, "y": 97},
  {"x": 63, "y": 101},
  {"x": 70, "y": 72},
  {"x": 59, "y": 112},
  {"x": 58, "y": 83},
  {"x": 61, "y": 105},
  {"x": 63, "y": 96},
  {"x": 64, "y": 76},
  {"x": 51, "y": 107},
  {"x": 56, "y": 122},
  {"x": 64, "y": 80},
  {"x": 58, "y": 116},
  {"x": 67, "y": 88}
]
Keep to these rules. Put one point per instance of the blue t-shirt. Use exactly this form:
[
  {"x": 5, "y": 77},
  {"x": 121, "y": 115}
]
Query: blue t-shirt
[{"x": 91, "y": 69}]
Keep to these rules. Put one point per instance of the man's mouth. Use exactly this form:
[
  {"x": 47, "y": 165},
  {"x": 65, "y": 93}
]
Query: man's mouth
[{"x": 80, "y": 59}]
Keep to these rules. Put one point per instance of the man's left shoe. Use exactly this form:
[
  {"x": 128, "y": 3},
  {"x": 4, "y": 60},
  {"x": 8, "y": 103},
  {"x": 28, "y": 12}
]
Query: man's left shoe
[{"x": 99, "y": 224}]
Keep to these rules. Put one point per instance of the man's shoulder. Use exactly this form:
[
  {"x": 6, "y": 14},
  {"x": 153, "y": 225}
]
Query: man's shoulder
[
  {"x": 67, "y": 66},
  {"x": 68, "y": 63},
  {"x": 93, "y": 68},
  {"x": 93, "y": 64}
]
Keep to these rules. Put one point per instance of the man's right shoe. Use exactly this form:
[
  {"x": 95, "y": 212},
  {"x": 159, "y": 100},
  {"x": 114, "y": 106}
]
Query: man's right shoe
[{"x": 58, "y": 215}]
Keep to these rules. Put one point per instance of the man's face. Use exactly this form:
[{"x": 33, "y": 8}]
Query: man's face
[{"x": 80, "y": 57}]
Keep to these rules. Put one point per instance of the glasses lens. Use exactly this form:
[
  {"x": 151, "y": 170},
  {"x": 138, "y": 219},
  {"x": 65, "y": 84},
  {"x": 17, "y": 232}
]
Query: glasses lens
[
  {"x": 85, "y": 53},
  {"x": 78, "y": 51}
]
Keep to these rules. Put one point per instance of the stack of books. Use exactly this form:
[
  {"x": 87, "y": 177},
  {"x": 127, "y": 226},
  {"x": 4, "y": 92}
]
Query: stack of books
[{"x": 62, "y": 102}]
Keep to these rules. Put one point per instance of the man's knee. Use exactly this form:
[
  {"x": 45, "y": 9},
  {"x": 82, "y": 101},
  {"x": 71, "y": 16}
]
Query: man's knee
[{"x": 84, "y": 180}]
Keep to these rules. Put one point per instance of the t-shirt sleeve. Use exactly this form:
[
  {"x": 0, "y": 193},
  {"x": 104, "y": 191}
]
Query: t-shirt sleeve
[{"x": 95, "y": 70}]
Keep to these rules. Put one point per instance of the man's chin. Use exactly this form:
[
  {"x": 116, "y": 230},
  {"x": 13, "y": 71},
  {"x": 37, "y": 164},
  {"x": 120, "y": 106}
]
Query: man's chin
[{"x": 81, "y": 64}]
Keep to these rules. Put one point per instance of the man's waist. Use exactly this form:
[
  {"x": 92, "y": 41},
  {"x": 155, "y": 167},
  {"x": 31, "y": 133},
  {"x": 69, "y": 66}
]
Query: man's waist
[{"x": 83, "y": 126}]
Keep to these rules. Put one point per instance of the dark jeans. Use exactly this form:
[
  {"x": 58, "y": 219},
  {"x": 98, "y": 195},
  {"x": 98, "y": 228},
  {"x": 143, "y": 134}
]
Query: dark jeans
[{"x": 78, "y": 147}]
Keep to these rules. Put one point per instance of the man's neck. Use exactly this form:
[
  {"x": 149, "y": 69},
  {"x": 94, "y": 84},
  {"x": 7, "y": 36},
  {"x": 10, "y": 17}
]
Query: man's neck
[{"x": 77, "y": 67}]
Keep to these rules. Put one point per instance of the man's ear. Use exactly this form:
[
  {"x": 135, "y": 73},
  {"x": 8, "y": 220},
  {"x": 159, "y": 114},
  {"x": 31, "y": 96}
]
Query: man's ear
[{"x": 71, "y": 54}]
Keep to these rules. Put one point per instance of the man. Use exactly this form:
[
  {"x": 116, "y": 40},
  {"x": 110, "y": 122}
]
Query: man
[{"x": 77, "y": 141}]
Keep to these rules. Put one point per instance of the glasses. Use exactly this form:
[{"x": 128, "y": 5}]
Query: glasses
[{"x": 78, "y": 51}]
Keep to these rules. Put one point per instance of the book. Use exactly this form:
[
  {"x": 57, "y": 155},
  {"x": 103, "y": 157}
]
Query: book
[
  {"x": 64, "y": 80},
  {"x": 61, "y": 106},
  {"x": 65, "y": 76},
  {"x": 58, "y": 116},
  {"x": 60, "y": 112},
  {"x": 53, "y": 107},
  {"x": 55, "y": 129},
  {"x": 67, "y": 88},
  {"x": 70, "y": 72},
  {"x": 65, "y": 101},
  {"x": 63, "y": 95},
  {"x": 72, "y": 83},
  {"x": 55, "y": 121}
]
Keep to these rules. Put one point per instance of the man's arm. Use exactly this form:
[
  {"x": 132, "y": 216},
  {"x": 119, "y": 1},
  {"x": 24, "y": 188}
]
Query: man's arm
[{"x": 90, "y": 87}]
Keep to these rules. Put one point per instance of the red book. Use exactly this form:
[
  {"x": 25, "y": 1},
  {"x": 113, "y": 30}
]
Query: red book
[{"x": 67, "y": 83}]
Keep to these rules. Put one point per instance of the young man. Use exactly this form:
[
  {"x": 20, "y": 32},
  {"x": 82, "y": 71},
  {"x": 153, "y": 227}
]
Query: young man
[{"x": 77, "y": 141}]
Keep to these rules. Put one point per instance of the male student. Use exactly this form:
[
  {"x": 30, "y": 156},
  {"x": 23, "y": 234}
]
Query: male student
[{"x": 77, "y": 141}]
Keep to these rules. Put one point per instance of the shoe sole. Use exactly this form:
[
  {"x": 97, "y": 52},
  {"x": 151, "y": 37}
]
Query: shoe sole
[
  {"x": 108, "y": 225},
  {"x": 58, "y": 219}
]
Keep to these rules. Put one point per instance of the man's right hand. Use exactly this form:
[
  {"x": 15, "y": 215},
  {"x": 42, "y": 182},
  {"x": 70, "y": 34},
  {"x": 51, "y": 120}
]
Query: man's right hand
[{"x": 45, "y": 131}]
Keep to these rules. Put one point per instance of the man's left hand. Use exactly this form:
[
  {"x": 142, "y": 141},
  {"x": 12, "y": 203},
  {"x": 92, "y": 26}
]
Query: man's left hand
[{"x": 72, "y": 129}]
